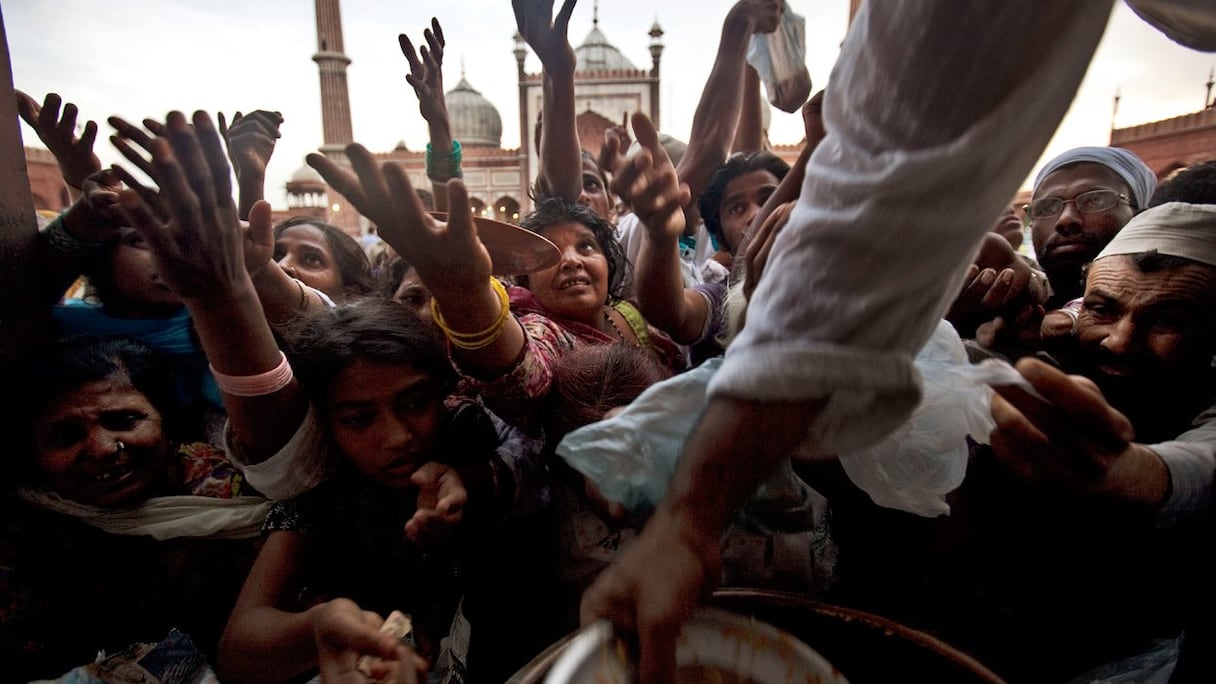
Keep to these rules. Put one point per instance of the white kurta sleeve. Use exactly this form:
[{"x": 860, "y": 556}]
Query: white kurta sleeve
[{"x": 934, "y": 118}]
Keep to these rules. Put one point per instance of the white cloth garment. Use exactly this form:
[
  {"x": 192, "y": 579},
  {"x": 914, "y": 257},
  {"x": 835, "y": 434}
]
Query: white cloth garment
[{"x": 933, "y": 120}]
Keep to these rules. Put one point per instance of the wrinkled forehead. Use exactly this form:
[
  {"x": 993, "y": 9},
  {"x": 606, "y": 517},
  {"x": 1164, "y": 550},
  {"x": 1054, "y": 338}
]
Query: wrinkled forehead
[{"x": 1137, "y": 278}]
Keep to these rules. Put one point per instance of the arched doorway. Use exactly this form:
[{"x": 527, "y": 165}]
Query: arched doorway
[{"x": 506, "y": 209}]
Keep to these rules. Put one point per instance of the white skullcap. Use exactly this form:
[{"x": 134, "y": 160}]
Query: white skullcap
[{"x": 1174, "y": 228}]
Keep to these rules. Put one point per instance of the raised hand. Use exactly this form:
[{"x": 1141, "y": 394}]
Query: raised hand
[
  {"x": 648, "y": 182},
  {"x": 441, "y": 500},
  {"x": 426, "y": 72},
  {"x": 449, "y": 257},
  {"x": 251, "y": 139},
  {"x": 616, "y": 145},
  {"x": 761, "y": 16},
  {"x": 75, "y": 155},
  {"x": 546, "y": 33},
  {"x": 199, "y": 248}
]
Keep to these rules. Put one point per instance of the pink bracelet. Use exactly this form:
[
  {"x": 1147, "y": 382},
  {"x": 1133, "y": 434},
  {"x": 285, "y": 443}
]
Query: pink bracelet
[{"x": 258, "y": 385}]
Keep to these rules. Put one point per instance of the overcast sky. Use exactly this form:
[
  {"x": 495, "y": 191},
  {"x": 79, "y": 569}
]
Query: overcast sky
[{"x": 139, "y": 58}]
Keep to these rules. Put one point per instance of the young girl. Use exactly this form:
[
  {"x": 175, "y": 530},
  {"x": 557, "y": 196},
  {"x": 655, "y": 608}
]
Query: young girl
[
  {"x": 370, "y": 408},
  {"x": 376, "y": 530}
]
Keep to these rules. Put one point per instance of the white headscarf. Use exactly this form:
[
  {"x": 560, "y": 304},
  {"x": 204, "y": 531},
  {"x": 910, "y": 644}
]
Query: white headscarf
[
  {"x": 1130, "y": 168},
  {"x": 1174, "y": 228}
]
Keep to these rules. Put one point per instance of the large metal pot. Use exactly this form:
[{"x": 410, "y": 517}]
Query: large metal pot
[{"x": 863, "y": 647}]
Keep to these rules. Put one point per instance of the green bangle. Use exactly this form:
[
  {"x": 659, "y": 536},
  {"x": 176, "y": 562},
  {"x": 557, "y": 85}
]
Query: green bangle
[{"x": 441, "y": 167}]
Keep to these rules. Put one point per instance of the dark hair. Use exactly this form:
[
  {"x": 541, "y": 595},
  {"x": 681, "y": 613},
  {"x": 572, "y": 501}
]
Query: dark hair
[
  {"x": 1194, "y": 184},
  {"x": 324, "y": 343},
  {"x": 591, "y": 379},
  {"x": 353, "y": 265},
  {"x": 392, "y": 274},
  {"x": 72, "y": 363},
  {"x": 551, "y": 211},
  {"x": 739, "y": 164}
]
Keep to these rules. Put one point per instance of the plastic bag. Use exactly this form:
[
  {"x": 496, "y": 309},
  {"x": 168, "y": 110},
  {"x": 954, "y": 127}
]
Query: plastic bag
[
  {"x": 780, "y": 60},
  {"x": 913, "y": 468},
  {"x": 632, "y": 456}
]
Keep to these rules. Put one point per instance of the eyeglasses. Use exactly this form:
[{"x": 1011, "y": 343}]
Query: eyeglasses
[{"x": 1090, "y": 202}]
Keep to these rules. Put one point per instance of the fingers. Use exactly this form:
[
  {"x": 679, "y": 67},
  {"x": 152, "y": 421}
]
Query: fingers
[
  {"x": 66, "y": 129},
  {"x": 411, "y": 56},
  {"x": 140, "y": 217},
  {"x": 646, "y": 135},
  {"x": 48, "y": 116},
  {"x": 89, "y": 136},
  {"x": 155, "y": 126},
  {"x": 338, "y": 178},
  {"x": 630, "y": 179},
  {"x": 435, "y": 45},
  {"x": 437, "y": 31},
  {"x": 760, "y": 246},
  {"x": 192, "y": 163},
  {"x": 223, "y": 125},
  {"x": 217, "y": 161},
  {"x": 28, "y": 109},
  {"x": 148, "y": 195},
  {"x": 563, "y": 16},
  {"x": 371, "y": 180}
]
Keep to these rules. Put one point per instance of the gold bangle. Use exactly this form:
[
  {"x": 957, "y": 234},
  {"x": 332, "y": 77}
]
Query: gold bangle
[{"x": 482, "y": 338}]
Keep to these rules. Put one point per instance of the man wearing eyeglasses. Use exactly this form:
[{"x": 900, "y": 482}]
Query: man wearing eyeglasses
[{"x": 1081, "y": 199}]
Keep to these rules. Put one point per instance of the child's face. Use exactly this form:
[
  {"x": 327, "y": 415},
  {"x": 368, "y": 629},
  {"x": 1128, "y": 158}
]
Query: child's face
[
  {"x": 304, "y": 253},
  {"x": 136, "y": 288},
  {"x": 385, "y": 418}
]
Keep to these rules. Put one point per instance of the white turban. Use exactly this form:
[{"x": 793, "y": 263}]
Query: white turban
[
  {"x": 1130, "y": 168},
  {"x": 1174, "y": 228}
]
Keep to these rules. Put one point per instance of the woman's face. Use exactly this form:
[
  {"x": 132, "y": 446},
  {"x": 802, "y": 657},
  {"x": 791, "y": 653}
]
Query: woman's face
[
  {"x": 103, "y": 444},
  {"x": 594, "y": 195},
  {"x": 304, "y": 253},
  {"x": 577, "y": 287},
  {"x": 135, "y": 288},
  {"x": 385, "y": 418}
]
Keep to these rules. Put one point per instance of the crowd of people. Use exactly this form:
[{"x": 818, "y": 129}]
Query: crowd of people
[{"x": 270, "y": 437}]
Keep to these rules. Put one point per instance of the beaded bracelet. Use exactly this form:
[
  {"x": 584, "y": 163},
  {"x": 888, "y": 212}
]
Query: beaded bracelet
[
  {"x": 442, "y": 167},
  {"x": 58, "y": 237},
  {"x": 258, "y": 385},
  {"x": 482, "y": 338}
]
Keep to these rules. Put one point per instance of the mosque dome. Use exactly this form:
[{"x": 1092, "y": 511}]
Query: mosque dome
[
  {"x": 597, "y": 54},
  {"x": 475, "y": 120},
  {"x": 306, "y": 180}
]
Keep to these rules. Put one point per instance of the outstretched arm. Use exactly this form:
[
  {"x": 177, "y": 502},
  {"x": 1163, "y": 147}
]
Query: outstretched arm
[
  {"x": 198, "y": 249},
  {"x": 714, "y": 123},
  {"x": 450, "y": 259},
  {"x": 647, "y": 180},
  {"x": 426, "y": 77},
  {"x": 264, "y": 642},
  {"x": 1078, "y": 441},
  {"x": 560, "y": 149}
]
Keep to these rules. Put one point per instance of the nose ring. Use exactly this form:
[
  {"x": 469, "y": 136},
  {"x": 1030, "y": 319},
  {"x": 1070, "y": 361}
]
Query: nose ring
[{"x": 119, "y": 447}]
